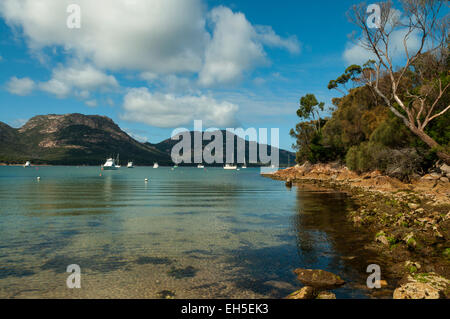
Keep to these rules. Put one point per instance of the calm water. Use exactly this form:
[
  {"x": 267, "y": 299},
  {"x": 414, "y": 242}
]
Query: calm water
[{"x": 189, "y": 233}]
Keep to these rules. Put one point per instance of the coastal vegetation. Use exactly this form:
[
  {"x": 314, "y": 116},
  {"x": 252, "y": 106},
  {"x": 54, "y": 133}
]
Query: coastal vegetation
[
  {"x": 395, "y": 116},
  {"x": 386, "y": 143}
]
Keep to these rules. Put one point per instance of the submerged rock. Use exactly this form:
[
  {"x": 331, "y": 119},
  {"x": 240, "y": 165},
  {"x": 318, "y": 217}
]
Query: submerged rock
[
  {"x": 319, "y": 279},
  {"x": 304, "y": 293}
]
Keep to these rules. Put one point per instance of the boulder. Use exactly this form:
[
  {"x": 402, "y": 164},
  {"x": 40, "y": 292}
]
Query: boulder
[
  {"x": 304, "y": 293},
  {"x": 326, "y": 295},
  {"x": 441, "y": 284},
  {"x": 416, "y": 290},
  {"x": 319, "y": 279},
  {"x": 382, "y": 239},
  {"x": 445, "y": 169},
  {"x": 444, "y": 179},
  {"x": 432, "y": 177}
]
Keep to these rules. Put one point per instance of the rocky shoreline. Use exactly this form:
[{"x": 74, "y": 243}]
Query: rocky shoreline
[{"x": 409, "y": 223}]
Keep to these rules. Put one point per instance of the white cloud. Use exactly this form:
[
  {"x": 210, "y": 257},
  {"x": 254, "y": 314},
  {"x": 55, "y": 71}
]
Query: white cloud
[
  {"x": 356, "y": 54},
  {"x": 167, "y": 110},
  {"x": 232, "y": 48},
  {"x": 237, "y": 46},
  {"x": 91, "y": 103},
  {"x": 136, "y": 136},
  {"x": 148, "y": 76},
  {"x": 82, "y": 77},
  {"x": 20, "y": 86},
  {"x": 268, "y": 36},
  {"x": 110, "y": 101},
  {"x": 55, "y": 87},
  {"x": 152, "y": 35}
]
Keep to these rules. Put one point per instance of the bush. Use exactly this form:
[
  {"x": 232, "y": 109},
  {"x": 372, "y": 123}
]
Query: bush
[
  {"x": 366, "y": 156},
  {"x": 400, "y": 163}
]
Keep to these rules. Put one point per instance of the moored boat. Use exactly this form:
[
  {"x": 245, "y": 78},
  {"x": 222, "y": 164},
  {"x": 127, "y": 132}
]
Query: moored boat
[
  {"x": 230, "y": 167},
  {"x": 110, "y": 165}
]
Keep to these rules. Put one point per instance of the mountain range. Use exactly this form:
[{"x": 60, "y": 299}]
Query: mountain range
[{"x": 77, "y": 139}]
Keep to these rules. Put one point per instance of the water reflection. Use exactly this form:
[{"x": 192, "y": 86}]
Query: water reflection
[{"x": 193, "y": 233}]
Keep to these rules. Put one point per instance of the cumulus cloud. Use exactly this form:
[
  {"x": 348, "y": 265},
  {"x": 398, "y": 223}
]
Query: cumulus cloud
[
  {"x": 152, "y": 35},
  {"x": 164, "y": 42},
  {"x": 167, "y": 110},
  {"x": 82, "y": 77},
  {"x": 20, "y": 86},
  {"x": 237, "y": 46}
]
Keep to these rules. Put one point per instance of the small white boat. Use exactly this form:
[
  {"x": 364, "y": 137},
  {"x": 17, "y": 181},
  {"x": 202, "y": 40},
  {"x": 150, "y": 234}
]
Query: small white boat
[
  {"x": 110, "y": 165},
  {"x": 130, "y": 165},
  {"x": 155, "y": 165},
  {"x": 200, "y": 166},
  {"x": 230, "y": 167},
  {"x": 27, "y": 164}
]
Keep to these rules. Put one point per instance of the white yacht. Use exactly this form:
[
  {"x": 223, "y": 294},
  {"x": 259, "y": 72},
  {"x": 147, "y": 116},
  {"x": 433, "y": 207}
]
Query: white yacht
[
  {"x": 230, "y": 167},
  {"x": 27, "y": 164},
  {"x": 110, "y": 165},
  {"x": 155, "y": 165},
  {"x": 130, "y": 165},
  {"x": 200, "y": 166}
]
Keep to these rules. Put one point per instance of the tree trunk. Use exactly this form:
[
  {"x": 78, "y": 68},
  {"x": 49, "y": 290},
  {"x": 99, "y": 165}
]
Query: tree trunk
[{"x": 431, "y": 143}]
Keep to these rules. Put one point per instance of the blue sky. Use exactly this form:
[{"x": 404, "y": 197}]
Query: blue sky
[{"x": 231, "y": 63}]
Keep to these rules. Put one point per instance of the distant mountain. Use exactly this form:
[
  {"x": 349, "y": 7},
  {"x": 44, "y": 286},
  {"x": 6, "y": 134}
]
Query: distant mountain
[
  {"x": 285, "y": 157},
  {"x": 73, "y": 139},
  {"x": 77, "y": 139}
]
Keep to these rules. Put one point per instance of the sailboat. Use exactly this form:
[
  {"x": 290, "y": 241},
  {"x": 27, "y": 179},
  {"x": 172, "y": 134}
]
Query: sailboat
[
  {"x": 230, "y": 167},
  {"x": 27, "y": 164},
  {"x": 155, "y": 165}
]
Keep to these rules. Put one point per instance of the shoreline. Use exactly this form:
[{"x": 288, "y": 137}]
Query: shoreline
[{"x": 409, "y": 223}]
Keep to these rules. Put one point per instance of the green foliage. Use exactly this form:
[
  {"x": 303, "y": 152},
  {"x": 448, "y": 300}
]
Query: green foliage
[
  {"x": 350, "y": 74},
  {"x": 365, "y": 134}
]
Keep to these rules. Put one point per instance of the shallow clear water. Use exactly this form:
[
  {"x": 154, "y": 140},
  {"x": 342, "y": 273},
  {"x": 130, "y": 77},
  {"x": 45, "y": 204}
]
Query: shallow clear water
[{"x": 188, "y": 232}]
